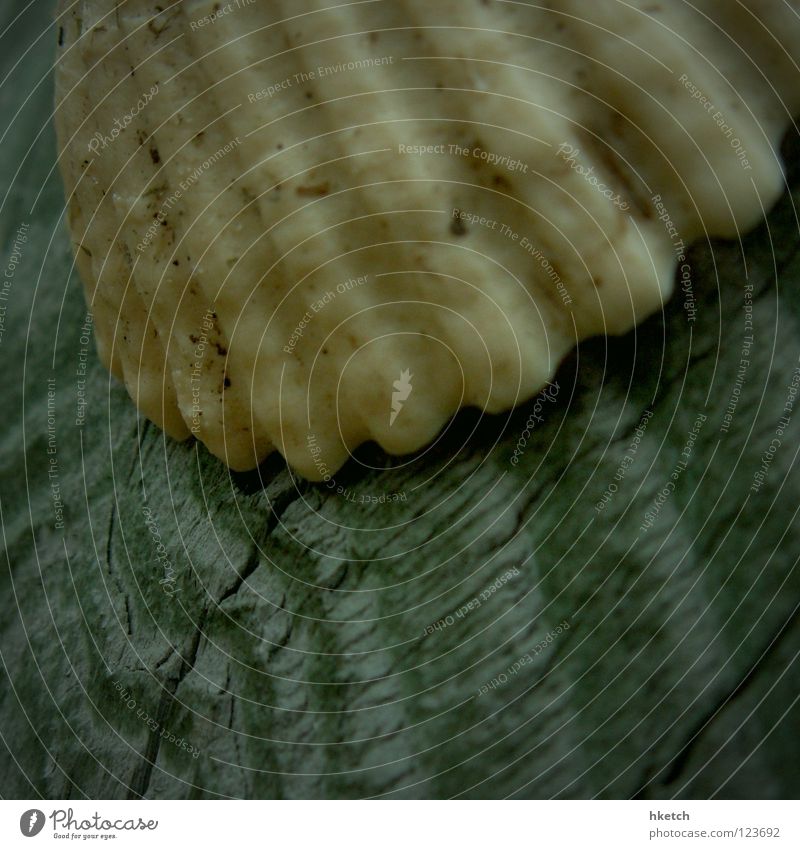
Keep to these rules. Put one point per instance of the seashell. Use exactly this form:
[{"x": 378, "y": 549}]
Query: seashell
[{"x": 304, "y": 225}]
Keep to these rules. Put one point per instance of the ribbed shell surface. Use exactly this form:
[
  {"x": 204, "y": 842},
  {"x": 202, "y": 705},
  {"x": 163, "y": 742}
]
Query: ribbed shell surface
[{"x": 304, "y": 225}]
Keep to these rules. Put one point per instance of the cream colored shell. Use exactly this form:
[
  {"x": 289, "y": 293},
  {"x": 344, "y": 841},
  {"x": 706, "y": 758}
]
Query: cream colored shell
[{"x": 303, "y": 225}]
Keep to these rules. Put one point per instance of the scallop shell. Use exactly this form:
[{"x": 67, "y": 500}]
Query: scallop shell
[{"x": 304, "y": 225}]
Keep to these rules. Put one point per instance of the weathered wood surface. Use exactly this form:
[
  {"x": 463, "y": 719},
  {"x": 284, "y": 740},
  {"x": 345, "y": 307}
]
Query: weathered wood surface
[{"x": 290, "y": 648}]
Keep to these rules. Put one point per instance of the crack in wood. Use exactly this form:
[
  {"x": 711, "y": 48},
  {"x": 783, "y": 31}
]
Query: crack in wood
[
  {"x": 144, "y": 772},
  {"x": 678, "y": 762},
  {"x": 278, "y": 506}
]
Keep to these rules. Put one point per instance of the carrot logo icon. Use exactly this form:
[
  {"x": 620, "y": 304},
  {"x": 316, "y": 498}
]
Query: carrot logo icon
[
  {"x": 31, "y": 822},
  {"x": 402, "y": 389}
]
